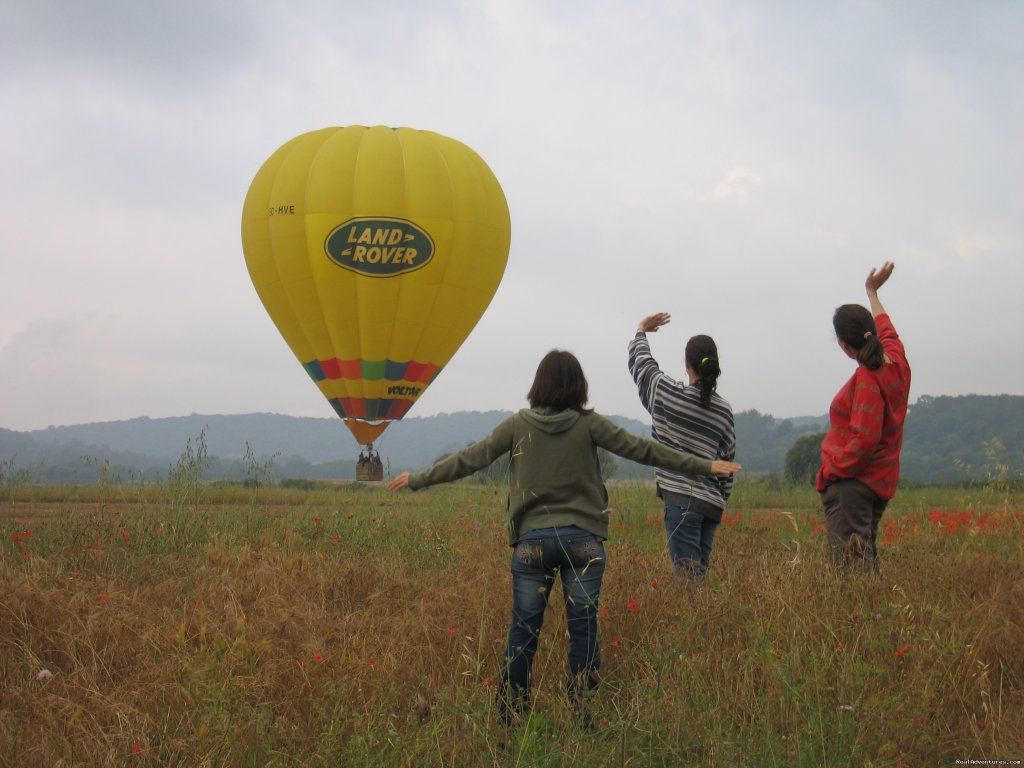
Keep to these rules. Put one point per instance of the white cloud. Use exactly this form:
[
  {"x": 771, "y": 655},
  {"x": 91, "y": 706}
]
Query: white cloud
[
  {"x": 737, "y": 185},
  {"x": 973, "y": 248}
]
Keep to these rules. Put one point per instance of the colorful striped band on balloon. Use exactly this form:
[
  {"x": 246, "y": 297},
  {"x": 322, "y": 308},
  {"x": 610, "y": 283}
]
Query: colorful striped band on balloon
[
  {"x": 373, "y": 409},
  {"x": 371, "y": 370}
]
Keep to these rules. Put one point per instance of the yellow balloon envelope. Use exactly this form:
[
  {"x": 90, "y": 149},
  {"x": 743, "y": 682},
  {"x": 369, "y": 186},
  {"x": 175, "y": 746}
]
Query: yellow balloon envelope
[{"x": 375, "y": 251}]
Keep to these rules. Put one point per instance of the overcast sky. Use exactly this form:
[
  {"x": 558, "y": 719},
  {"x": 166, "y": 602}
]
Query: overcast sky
[{"x": 741, "y": 165}]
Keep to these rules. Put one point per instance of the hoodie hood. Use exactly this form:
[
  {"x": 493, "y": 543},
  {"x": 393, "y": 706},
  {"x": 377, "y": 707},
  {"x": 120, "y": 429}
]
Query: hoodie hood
[{"x": 549, "y": 420}]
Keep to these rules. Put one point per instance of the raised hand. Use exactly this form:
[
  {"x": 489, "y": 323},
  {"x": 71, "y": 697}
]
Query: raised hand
[
  {"x": 652, "y": 323},
  {"x": 877, "y": 277}
]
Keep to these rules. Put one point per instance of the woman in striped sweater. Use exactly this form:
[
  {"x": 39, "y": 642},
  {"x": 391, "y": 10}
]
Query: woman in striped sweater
[{"x": 692, "y": 417}]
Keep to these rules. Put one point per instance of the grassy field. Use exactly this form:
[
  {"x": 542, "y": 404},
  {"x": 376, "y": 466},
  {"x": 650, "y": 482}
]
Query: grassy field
[{"x": 193, "y": 625}]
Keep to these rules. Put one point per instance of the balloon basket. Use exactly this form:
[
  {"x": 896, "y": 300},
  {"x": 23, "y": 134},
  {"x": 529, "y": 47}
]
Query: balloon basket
[{"x": 369, "y": 467}]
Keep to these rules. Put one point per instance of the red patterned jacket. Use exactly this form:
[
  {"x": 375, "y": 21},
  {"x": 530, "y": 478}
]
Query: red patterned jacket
[{"x": 866, "y": 418}]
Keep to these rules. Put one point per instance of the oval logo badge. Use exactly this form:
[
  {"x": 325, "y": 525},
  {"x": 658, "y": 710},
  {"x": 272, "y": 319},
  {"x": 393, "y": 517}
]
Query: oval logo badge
[{"x": 379, "y": 247}]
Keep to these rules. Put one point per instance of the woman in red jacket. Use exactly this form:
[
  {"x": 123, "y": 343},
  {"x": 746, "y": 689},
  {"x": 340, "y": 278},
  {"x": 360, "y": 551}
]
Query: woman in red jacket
[{"x": 860, "y": 455}]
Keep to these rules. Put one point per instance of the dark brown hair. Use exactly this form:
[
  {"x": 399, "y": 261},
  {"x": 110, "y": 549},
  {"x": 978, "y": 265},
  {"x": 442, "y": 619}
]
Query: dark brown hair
[
  {"x": 702, "y": 356},
  {"x": 559, "y": 383},
  {"x": 855, "y": 327}
]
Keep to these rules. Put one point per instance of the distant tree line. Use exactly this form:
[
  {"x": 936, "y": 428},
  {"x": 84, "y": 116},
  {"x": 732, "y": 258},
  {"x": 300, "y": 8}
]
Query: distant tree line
[
  {"x": 76, "y": 463},
  {"x": 947, "y": 439}
]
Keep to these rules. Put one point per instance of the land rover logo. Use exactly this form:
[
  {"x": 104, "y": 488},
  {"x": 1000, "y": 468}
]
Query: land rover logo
[{"x": 379, "y": 247}]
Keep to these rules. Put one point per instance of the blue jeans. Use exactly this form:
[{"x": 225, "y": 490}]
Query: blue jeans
[
  {"x": 537, "y": 558},
  {"x": 691, "y": 535}
]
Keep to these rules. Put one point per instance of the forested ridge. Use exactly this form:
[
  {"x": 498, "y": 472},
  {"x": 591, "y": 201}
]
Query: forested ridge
[{"x": 947, "y": 439}]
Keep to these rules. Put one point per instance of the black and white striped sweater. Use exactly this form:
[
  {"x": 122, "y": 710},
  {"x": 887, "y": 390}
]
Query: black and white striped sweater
[{"x": 680, "y": 421}]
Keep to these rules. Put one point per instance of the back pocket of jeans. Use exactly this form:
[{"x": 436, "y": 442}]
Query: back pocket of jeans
[
  {"x": 585, "y": 551},
  {"x": 529, "y": 553}
]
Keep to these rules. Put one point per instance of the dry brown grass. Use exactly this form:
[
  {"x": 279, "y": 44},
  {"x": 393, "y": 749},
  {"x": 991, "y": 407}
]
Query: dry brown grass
[{"x": 350, "y": 627}]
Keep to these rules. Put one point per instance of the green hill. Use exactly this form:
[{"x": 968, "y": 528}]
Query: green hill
[{"x": 948, "y": 439}]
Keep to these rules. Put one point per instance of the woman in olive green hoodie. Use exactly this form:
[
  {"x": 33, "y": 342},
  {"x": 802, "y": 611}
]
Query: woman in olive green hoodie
[{"x": 557, "y": 515}]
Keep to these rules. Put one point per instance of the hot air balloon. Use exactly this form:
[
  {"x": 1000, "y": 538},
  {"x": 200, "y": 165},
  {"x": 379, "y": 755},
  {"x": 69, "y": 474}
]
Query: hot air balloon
[{"x": 375, "y": 251}]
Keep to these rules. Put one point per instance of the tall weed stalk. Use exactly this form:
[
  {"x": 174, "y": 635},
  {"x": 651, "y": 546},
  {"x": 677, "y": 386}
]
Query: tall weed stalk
[{"x": 184, "y": 491}]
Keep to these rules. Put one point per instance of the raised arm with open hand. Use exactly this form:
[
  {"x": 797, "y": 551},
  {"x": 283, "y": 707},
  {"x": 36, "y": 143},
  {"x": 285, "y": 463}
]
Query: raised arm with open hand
[
  {"x": 652, "y": 323},
  {"x": 876, "y": 279}
]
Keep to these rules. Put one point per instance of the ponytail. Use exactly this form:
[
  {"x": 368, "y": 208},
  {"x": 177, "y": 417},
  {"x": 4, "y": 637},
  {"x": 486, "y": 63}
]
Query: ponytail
[
  {"x": 871, "y": 354},
  {"x": 856, "y": 328},
  {"x": 702, "y": 357}
]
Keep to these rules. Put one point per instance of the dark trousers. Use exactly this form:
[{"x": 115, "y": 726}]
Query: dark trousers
[{"x": 852, "y": 514}]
